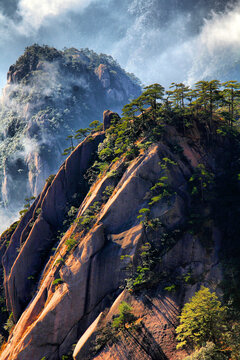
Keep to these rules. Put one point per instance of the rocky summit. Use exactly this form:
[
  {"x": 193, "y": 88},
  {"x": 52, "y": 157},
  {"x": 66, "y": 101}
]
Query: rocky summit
[{"x": 49, "y": 95}]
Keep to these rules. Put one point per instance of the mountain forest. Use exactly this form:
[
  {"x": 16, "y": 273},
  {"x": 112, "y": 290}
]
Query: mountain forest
[{"x": 127, "y": 243}]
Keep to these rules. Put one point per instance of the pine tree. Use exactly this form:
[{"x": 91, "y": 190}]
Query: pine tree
[
  {"x": 231, "y": 95},
  {"x": 201, "y": 320}
]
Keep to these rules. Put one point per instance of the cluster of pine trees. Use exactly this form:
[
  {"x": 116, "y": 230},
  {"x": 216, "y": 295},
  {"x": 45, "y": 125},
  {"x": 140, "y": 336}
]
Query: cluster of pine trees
[
  {"x": 206, "y": 326},
  {"x": 180, "y": 105},
  {"x": 206, "y": 98}
]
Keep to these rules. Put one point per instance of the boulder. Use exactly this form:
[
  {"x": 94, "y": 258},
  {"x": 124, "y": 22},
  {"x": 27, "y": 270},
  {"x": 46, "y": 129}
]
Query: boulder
[{"x": 108, "y": 116}]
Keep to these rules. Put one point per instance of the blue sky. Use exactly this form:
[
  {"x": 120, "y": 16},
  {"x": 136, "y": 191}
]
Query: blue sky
[{"x": 160, "y": 41}]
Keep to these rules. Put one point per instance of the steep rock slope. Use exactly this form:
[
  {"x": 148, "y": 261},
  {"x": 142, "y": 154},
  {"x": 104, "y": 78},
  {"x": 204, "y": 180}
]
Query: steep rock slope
[
  {"x": 82, "y": 277},
  {"x": 49, "y": 94}
]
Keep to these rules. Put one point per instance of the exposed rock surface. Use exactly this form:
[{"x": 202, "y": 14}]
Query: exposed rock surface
[
  {"x": 49, "y": 95},
  {"x": 108, "y": 116},
  {"x": 80, "y": 281},
  {"x": 37, "y": 243}
]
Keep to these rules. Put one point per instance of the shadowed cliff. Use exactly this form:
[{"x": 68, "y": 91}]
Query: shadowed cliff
[{"x": 138, "y": 213}]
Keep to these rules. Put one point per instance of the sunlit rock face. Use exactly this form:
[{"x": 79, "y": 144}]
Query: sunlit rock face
[
  {"x": 49, "y": 94},
  {"x": 62, "y": 294}
]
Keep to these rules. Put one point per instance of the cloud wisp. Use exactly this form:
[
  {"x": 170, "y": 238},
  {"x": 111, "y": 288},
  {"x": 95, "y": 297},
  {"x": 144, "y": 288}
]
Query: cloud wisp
[
  {"x": 34, "y": 14},
  {"x": 217, "y": 47}
]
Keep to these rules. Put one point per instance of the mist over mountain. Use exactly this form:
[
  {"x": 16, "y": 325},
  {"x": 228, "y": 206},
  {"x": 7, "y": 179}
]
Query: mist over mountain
[
  {"x": 120, "y": 240},
  {"x": 180, "y": 40},
  {"x": 49, "y": 95}
]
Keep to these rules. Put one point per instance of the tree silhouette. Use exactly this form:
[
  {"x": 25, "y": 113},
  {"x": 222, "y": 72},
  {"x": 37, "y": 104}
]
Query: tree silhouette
[
  {"x": 208, "y": 96},
  {"x": 231, "y": 95}
]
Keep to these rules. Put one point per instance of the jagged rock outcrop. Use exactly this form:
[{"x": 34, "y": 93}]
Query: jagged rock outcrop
[
  {"x": 36, "y": 241},
  {"x": 82, "y": 277},
  {"x": 108, "y": 116},
  {"x": 49, "y": 95}
]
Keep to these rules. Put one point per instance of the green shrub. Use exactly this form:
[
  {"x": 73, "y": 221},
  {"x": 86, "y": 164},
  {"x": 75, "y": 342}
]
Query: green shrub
[
  {"x": 38, "y": 211},
  {"x": 201, "y": 181},
  {"x": 59, "y": 261},
  {"x": 143, "y": 275},
  {"x": 107, "y": 193},
  {"x": 27, "y": 205},
  {"x": 208, "y": 352},
  {"x": 57, "y": 281},
  {"x": 105, "y": 154},
  {"x": 155, "y": 199},
  {"x": 170, "y": 288},
  {"x": 125, "y": 316},
  {"x": 113, "y": 174},
  {"x": 87, "y": 219},
  {"x": 143, "y": 213},
  {"x": 144, "y": 145},
  {"x": 50, "y": 179},
  {"x": 201, "y": 320},
  {"x": 71, "y": 243},
  {"x": 9, "y": 324}
]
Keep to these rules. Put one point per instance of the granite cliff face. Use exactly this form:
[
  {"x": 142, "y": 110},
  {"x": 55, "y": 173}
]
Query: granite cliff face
[
  {"x": 65, "y": 264},
  {"x": 49, "y": 95}
]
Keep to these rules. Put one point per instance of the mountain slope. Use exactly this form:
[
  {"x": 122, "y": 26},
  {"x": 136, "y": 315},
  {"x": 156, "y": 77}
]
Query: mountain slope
[
  {"x": 49, "y": 95},
  {"x": 138, "y": 212}
]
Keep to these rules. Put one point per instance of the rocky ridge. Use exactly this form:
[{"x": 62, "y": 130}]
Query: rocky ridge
[{"x": 65, "y": 295}]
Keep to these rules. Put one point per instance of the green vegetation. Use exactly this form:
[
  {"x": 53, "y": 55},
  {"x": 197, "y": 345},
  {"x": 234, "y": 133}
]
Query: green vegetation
[
  {"x": 142, "y": 275},
  {"x": 201, "y": 181},
  {"x": 35, "y": 52},
  {"x": 125, "y": 316},
  {"x": 27, "y": 205},
  {"x": 213, "y": 198},
  {"x": 125, "y": 321},
  {"x": 6, "y": 235},
  {"x": 106, "y": 335},
  {"x": 107, "y": 193},
  {"x": 86, "y": 221},
  {"x": 207, "y": 325},
  {"x": 50, "y": 179},
  {"x": 60, "y": 261},
  {"x": 57, "y": 281},
  {"x": 161, "y": 190},
  {"x": 81, "y": 134},
  {"x": 201, "y": 320},
  {"x": 9, "y": 324},
  {"x": 71, "y": 243},
  {"x": 171, "y": 288},
  {"x": 208, "y": 352}
]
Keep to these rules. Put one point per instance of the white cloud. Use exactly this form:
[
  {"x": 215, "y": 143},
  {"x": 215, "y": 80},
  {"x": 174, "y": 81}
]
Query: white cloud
[
  {"x": 152, "y": 52},
  {"x": 35, "y": 13},
  {"x": 155, "y": 54},
  {"x": 222, "y": 30},
  {"x": 216, "y": 49},
  {"x": 172, "y": 53},
  {"x": 7, "y": 218}
]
